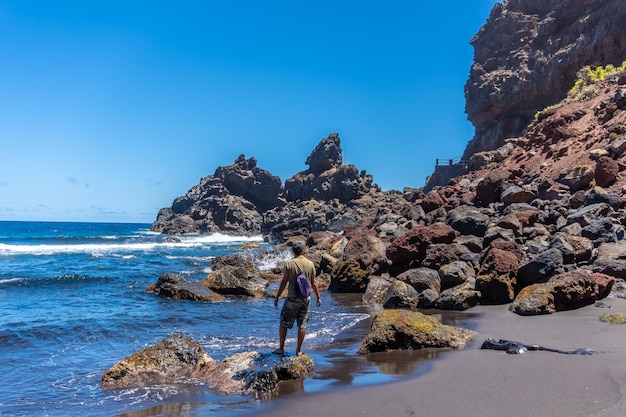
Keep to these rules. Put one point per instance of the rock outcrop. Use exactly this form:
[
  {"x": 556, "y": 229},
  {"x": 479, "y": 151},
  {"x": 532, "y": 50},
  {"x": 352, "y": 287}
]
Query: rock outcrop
[
  {"x": 232, "y": 200},
  {"x": 176, "y": 286},
  {"x": 179, "y": 359},
  {"x": 527, "y": 56}
]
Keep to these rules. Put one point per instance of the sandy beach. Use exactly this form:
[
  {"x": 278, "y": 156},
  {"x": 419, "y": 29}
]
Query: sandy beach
[{"x": 475, "y": 382}]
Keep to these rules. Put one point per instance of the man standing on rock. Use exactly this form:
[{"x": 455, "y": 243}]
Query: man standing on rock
[{"x": 295, "y": 308}]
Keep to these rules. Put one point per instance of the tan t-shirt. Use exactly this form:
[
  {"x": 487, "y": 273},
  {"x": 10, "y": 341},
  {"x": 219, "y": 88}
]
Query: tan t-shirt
[{"x": 294, "y": 267}]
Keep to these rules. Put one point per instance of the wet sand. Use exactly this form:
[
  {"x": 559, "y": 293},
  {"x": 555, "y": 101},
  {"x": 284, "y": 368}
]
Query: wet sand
[{"x": 475, "y": 382}]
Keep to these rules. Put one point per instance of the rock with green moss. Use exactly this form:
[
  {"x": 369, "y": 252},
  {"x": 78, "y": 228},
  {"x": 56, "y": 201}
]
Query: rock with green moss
[
  {"x": 614, "y": 318},
  {"x": 171, "y": 360},
  {"x": 404, "y": 329}
]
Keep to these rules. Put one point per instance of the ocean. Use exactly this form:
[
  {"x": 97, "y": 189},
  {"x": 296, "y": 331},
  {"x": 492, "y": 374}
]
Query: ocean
[{"x": 73, "y": 302}]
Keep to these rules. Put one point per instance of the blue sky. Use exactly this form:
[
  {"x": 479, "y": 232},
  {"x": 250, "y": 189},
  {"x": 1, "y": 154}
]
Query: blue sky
[{"x": 111, "y": 109}]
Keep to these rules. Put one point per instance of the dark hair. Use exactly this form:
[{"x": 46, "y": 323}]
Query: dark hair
[{"x": 297, "y": 248}]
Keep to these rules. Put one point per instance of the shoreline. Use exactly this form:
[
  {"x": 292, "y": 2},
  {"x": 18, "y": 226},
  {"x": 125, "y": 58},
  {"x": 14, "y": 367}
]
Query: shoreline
[{"x": 475, "y": 382}]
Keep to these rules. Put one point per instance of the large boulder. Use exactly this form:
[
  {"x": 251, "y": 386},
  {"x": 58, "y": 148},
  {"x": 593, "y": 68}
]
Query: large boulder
[
  {"x": 606, "y": 172},
  {"x": 460, "y": 298},
  {"x": 422, "y": 279},
  {"x": 176, "y": 286},
  {"x": 363, "y": 258},
  {"x": 496, "y": 279},
  {"x": 401, "y": 295},
  {"x": 171, "y": 360},
  {"x": 440, "y": 254},
  {"x": 490, "y": 188},
  {"x": 611, "y": 259},
  {"x": 232, "y": 280},
  {"x": 456, "y": 273},
  {"x": 468, "y": 220},
  {"x": 377, "y": 289},
  {"x": 600, "y": 231},
  {"x": 541, "y": 267},
  {"x": 253, "y": 373},
  {"x": 409, "y": 250},
  {"x": 566, "y": 291},
  {"x": 404, "y": 329}
]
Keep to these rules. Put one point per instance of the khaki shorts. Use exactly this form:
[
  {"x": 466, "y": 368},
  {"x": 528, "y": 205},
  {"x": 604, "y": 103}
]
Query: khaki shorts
[{"x": 295, "y": 311}]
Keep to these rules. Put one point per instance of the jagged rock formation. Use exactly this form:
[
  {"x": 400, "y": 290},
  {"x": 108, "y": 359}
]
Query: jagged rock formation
[
  {"x": 232, "y": 200},
  {"x": 243, "y": 199},
  {"x": 526, "y": 58}
]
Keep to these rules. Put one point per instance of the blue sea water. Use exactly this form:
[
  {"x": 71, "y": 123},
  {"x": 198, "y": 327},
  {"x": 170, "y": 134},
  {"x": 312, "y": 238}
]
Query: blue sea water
[{"x": 73, "y": 302}]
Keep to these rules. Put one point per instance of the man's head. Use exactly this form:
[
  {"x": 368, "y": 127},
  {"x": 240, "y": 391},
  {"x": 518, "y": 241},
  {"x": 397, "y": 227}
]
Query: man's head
[{"x": 297, "y": 248}]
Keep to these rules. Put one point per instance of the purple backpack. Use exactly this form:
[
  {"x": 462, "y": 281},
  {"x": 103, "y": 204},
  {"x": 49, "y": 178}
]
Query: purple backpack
[{"x": 303, "y": 286}]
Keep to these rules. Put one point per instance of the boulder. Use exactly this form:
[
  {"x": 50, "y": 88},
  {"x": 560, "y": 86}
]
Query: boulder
[
  {"x": 600, "y": 231},
  {"x": 611, "y": 259},
  {"x": 422, "y": 279},
  {"x": 439, "y": 254},
  {"x": 363, "y": 258},
  {"x": 408, "y": 250},
  {"x": 597, "y": 195},
  {"x": 541, "y": 267},
  {"x": 512, "y": 223},
  {"x": 253, "y": 373},
  {"x": 589, "y": 214},
  {"x": 239, "y": 260},
  {"x": 172, "y": 360},
  {"x": 516, "y": 194},
  {"x": 404, "y": 329},
  {"x": 583, "y": 248},
  {"x": 577, "y": 178},
  {"x": 473, "y": 243},
  {"x": 461, "y": 297},
  {"x": 427, "y": 298},
  {"x": 401, "y": 295},
  {"x": 490, "y": 188},
  {"x": 496, "y": 279},
  {"x": 456, "y": 273},
  {"x": 468, "y": 221},
  {"x": 432, "y": 201},
  {"x": 376, "y": 291},
  {"x": 566, "y": 291},
  {"x": 232, "y": 280},
  {"x": 176, "y": 286},
  {"x": 606, "y": 172}
]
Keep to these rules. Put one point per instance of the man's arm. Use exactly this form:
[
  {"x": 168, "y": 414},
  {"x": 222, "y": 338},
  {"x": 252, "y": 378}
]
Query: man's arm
[
  {"x": 316, "y": 289},
  {"x": 283, "y": 284}
]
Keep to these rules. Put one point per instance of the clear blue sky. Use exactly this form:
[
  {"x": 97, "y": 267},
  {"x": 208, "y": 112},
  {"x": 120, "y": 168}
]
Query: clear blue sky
[{"x": 111, "y": 109}]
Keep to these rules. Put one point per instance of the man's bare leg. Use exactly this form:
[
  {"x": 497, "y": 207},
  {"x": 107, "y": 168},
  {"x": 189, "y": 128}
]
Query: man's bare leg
[
  {"x": 301, "y": 333},
  {"x": 282, "y": 336}
]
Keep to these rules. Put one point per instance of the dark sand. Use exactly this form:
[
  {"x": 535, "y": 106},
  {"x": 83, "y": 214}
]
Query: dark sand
[{"x": 484, "y": 383}]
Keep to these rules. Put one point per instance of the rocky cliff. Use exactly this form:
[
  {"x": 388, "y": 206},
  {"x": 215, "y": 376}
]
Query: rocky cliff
[{"x": 527, "y": 56}]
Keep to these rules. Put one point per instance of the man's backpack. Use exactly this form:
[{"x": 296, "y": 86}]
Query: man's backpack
[{"x": 303, "y": 286}]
